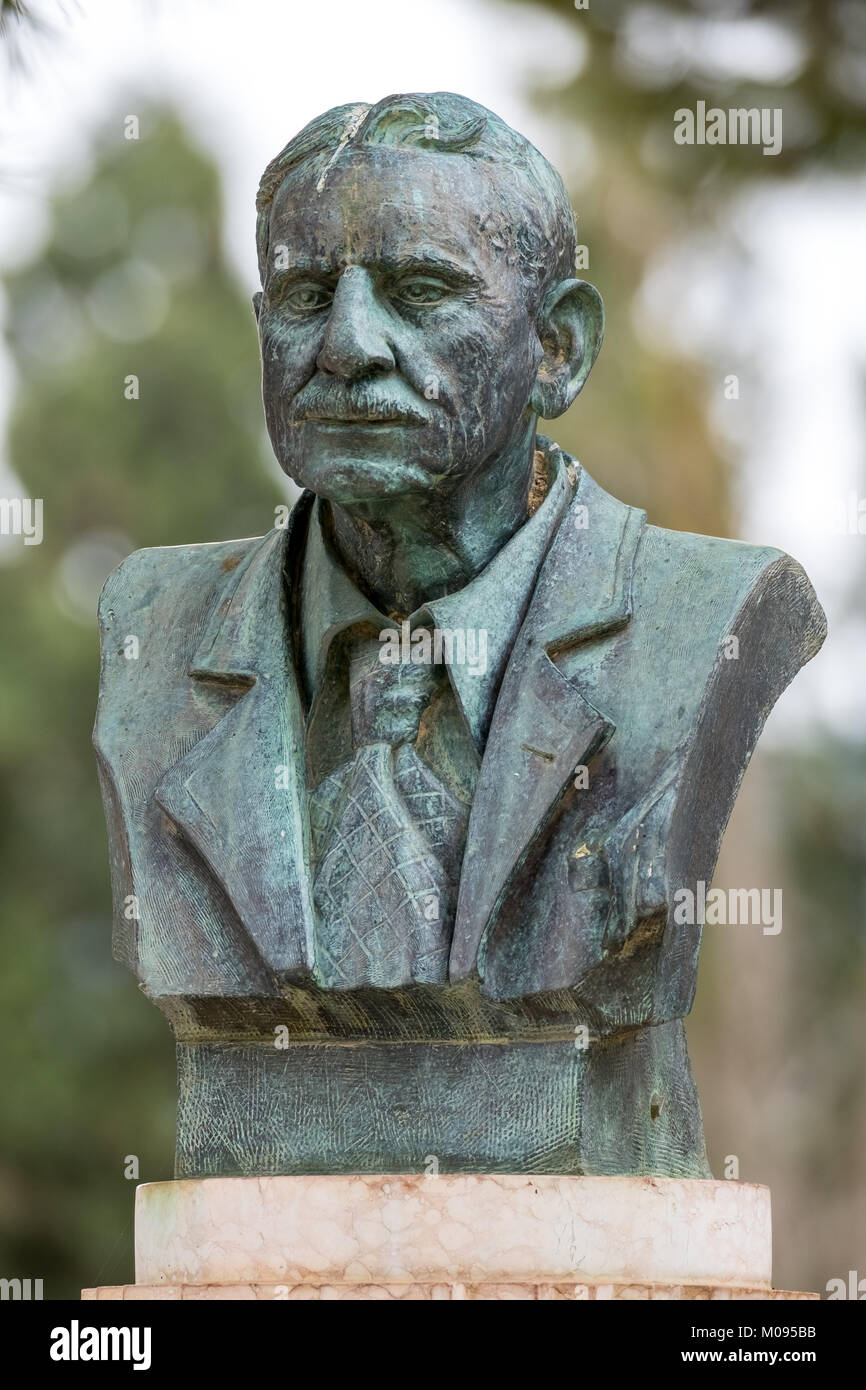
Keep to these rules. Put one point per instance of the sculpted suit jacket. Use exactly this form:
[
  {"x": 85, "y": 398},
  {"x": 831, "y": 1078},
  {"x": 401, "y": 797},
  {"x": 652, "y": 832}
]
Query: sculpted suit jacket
[{"x": 624, "y": 666}]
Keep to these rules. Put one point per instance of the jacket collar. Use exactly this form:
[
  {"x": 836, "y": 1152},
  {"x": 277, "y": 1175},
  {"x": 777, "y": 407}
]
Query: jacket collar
[
  {"x": 239, "y": 794},
  {"x": 494, "y": 602}
]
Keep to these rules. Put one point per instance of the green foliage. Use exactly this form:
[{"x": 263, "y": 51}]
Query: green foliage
[
  {"x": 88, "y": 1064},
  {"x": 640, "y": 426},
  {"x": 824, "y": 839}
]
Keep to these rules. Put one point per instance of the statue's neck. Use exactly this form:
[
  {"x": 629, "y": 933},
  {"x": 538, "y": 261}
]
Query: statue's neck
[{"x": 406, "y": 550}]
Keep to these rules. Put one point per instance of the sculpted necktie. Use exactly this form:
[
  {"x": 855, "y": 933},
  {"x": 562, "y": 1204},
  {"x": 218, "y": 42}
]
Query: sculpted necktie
[{"x": 385, "y": 839}]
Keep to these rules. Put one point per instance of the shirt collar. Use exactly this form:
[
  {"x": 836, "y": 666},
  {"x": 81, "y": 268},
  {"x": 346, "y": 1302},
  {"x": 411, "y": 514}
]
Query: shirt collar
[{"x": 493, "y": 603}]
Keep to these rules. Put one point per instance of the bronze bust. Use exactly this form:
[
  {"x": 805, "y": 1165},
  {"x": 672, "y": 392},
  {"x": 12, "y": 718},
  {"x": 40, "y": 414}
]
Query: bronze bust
[{"x": 403, "y": 795}]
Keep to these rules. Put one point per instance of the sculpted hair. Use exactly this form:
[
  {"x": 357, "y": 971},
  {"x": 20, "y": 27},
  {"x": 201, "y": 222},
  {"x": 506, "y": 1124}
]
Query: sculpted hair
[{"x": 442, "y": 123}]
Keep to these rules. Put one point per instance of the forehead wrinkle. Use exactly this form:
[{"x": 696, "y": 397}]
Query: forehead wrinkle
[
  {"x": 338, "y": 227},
  {"x": 368, "y": 246},
  {"x": 365, "y": 168}
]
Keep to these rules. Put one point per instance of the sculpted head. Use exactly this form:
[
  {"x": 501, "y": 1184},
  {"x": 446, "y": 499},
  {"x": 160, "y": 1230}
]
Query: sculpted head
[{"x": 418, "y": 310}]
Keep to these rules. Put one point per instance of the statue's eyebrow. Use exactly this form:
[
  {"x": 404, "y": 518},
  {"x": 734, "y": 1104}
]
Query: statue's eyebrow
[
  {"x": 423, "y": 262},
  {"x": 430, "y": 262}
]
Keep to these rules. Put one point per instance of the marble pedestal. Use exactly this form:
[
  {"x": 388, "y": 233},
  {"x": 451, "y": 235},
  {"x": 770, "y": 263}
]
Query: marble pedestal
[{"x": 450, "y": 1237}]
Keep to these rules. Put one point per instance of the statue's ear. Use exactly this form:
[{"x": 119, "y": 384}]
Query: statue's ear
[
  {"x": 570, "y": 328},
  {"x": 257, "y": 304}
]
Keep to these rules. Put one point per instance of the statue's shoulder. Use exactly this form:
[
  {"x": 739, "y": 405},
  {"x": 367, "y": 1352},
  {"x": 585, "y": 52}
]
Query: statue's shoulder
[
  {"x": 696, "y": 588},
  {"x": 172, "y": 576},
  {"x": 688, "y": 592},
  {"x": 719, "y": 585}
]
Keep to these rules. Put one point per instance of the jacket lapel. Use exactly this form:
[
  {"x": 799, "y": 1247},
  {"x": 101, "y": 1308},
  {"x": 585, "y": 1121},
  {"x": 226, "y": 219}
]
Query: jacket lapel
[
  {"x": 238, "y": 794},
  {"x": 545, "y": 724}
]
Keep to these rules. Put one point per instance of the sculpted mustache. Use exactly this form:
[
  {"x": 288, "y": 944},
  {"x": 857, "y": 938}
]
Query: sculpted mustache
[{"x": 328, "y": 402}]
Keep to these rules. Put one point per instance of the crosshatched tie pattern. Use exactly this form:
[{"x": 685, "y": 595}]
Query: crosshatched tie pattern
[{"x": 386, "y": 839}]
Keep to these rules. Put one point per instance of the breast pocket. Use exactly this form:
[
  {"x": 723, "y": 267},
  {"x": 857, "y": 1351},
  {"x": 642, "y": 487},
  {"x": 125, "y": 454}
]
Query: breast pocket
[
  {"x": 588, "y": 870},
  {"x": 590, "y": 882}
]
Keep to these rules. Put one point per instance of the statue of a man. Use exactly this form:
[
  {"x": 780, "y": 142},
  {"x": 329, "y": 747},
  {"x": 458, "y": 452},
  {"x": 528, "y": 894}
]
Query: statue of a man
[{"x": 404, "y": 797}]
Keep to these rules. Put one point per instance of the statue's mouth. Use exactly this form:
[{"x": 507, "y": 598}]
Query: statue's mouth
[{"x": 362, "y": 421}]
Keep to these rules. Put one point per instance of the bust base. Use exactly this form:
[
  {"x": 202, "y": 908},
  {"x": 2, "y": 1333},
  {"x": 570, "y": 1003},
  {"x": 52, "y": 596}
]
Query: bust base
[
  {"x": 415, "y": 1293},
  {"x": 485, "y": 1237}
]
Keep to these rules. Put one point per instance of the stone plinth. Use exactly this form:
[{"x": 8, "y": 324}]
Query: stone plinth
[{"x": 450, "y": 1237}]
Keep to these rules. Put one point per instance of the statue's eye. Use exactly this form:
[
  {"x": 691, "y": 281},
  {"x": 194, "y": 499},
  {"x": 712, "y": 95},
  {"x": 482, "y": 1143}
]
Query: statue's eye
[
  {"x": 307, "y": 297},
  {"x": 417, "y": 292}
]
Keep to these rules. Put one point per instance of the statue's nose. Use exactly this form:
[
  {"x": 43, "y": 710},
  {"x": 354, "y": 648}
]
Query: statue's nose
[{"x": 356, "y": 340}]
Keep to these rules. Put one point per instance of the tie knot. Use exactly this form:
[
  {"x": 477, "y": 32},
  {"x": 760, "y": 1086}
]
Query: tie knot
[{"x": 387, "y": 698}]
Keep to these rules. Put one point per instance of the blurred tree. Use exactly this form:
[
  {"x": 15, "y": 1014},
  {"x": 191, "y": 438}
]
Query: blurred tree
[
  {"x": 133, "y": 283},
  {"x": 821, "y": 804},
  {"x": 20, "y": 18},
  {"x": 775, "y": 1036},
  {"x": 138, "y": 422},
  {"x": 13, "y": 12},
  {"x": 641, "y": 426}
]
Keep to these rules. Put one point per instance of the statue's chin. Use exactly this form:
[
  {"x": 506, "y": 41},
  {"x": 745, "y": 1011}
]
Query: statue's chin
[
  {"x": 347, "y": 466},
  {"x": 352, "y": 480}
]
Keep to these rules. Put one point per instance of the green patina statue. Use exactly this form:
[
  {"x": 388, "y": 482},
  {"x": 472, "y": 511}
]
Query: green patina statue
[{"x": 405, "y": 797}]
